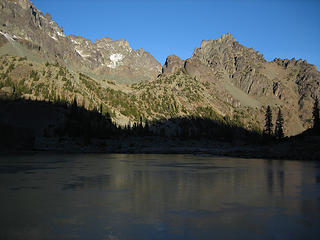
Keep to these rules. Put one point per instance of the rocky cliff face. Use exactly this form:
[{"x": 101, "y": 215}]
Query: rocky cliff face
[
  {"x": 226, "y": 59},
  {"x": 22, "y": 26},
  {"x": 244, "y": 77}
]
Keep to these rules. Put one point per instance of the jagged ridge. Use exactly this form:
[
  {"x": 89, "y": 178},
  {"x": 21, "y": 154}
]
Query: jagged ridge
[{"x": 22, "y": 23}]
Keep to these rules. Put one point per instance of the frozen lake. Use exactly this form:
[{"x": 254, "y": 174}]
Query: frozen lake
[{"x": 91, "y": 196}]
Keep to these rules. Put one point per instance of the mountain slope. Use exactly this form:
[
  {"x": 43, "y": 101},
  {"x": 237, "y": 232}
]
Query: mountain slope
[
  {"x": 23, "y": 28},
  {"x": 253, "y": 82},
  {"x": 221, "y": 80}
]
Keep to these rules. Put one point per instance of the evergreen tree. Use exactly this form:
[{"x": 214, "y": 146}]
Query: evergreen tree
[
  {"x": 74, "y": 104},
  {"x": 108, "y": 117},
  {"x": 140, "y": 127},
  {"x": 74, "y": 108},
  {"x": 146, "y": 127},
  {"x": 268, "y": 125},
  {"x": 101, "y": 108},
  {"x": 278, "y": 132},
  {"x": 315, "y": 113}
]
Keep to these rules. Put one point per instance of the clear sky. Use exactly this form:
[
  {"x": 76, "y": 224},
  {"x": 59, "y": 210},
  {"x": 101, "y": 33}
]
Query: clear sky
[{"x": 276, "y": 28}]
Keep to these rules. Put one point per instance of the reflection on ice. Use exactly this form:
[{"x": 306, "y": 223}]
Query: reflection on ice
[{"x": 157, "y": 197}]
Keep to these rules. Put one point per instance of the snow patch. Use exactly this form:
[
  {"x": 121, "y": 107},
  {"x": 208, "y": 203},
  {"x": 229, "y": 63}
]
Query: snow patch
[
  {"x": 81, "y": 53},
  {"x": 27, "y": 38},
  {"x": 54, "y": 38},
  {"x": 74, "y": 41},
  {"x": 61, "y": 34},
  {"x": 7, "y": 36},
  {"x": 115, "y": 59},
  {"x": 16, "y": 37}
]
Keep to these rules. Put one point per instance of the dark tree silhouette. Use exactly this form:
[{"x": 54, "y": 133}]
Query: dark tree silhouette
[
  {"x": 268, "y": 125},
  {"x": 101, "y": 108},
  {"x": 146, "y": 127},
  {"x": 74, "y": 103},
  {"x": 278, "y": 131},
  {"x": 315, "y": 114}
]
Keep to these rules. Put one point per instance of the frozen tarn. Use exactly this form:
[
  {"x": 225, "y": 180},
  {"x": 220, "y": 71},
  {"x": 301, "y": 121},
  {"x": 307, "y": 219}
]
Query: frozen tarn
[{"x": 115, "y": 59}]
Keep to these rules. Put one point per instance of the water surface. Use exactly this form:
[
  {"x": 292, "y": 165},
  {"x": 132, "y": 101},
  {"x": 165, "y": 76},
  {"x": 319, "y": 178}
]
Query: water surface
[{"x": 52, "y": 196}]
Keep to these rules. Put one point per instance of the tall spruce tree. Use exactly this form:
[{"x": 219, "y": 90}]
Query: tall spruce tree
[
  {"x": 268, "y": 125},
  {"x": 101, "y": 108},
  {"x": 315, "y": 114},
  {"x": 278, "y": 131}
]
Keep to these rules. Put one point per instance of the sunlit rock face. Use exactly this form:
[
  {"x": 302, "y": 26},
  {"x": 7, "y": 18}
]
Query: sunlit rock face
[{"x": 247, "y": 79}]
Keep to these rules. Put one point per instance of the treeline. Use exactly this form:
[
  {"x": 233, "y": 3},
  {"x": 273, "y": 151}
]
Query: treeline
[
  {"x": 70, "y": 121},
  {"x": 81, "y": 123},
  {"x": 73, "y": 122}
]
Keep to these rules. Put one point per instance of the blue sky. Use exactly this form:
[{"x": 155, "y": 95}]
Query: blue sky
[{"x": 276, "y": 28}]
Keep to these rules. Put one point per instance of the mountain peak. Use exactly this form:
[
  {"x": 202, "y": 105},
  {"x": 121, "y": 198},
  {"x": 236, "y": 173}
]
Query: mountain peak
[
  {"x": 227, "y": 36},
  {"x": 224, "y": 39},
  {"x": 172, "y": 63}
]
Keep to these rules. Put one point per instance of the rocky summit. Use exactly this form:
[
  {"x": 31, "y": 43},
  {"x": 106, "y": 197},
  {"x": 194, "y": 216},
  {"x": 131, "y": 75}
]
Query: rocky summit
[{"x": 222, "y": 79}]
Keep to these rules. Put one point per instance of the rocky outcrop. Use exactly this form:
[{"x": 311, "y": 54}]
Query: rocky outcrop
[
  {"x": 172, "y": 64},
  {"x": 230, "y": 60},
  {"x": 306, "y": 75}
]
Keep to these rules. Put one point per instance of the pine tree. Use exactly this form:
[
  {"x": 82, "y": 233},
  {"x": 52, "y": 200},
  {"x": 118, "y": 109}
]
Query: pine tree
[
  {"x": 278, "y": 132},
  {"x": 146, "y": 127},
  {"x": 74, "y": 103},
  {"x": 268, "y": 118},
  {"x": 315, "y": 113},
  {"x": 74, "y": 108},
  {"x": 140, "y": 127},
  {"x": 101, "y": 108},
  {"x": 108, "y": 117}
]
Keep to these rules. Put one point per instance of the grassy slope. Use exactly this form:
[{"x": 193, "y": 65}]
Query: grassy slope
[{"x": 165, "y": 97}]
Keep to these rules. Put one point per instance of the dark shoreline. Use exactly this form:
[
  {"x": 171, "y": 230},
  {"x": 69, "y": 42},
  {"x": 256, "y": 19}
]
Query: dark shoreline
[{"x": 280, "y": 151}]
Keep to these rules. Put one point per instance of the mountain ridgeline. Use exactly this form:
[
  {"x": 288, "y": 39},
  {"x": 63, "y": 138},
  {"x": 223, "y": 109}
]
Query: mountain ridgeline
[{"x": 222, "y": 80}]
